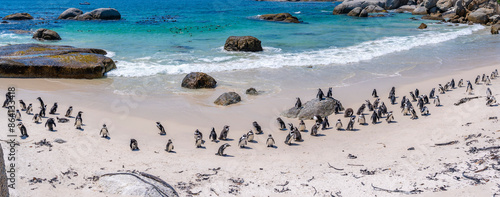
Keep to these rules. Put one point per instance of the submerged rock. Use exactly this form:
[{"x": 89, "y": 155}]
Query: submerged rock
[
  {"x": 243, "y": 43},
  {"x": 53, "y": 61},
  {"x": 46, "y": 34},
  {"x": 252, "y": 91},
  {"x": 283, "y": 17},
  {"x": 196, "y": 80},
  {"x": 18, "y": 16},
  {"x": 228, "y": 98},
  {"x": 422, "y": 26}
]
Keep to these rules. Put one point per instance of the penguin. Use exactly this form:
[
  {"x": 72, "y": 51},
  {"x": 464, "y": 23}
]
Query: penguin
[
  {"x": 22, "y": 129},
  {"x": 170, "y": 147},
  {"x": 420, "y": 103},
  {"x": 348, "y": 112},
  {"x": 406, "y": 110},
  {"x": 477, "y": 80},
  {"x": 36, "y": 118},
  {"x": 161, "y": 128},
  {"x": 338, "y": 125},
  {"x": 68, "y": 112},
  {"x": 452, "y": 84},
  {"x": 417, "y": 92},
  {"x": 491, "y": 101},
  {"x": 413, "y": 97},
  {"x": 413, "y": 114},
  {"x": 374, "y": 118},
  {"x": 53, "y": 109},
  {"x": 329, "y": 94},
  {"x": 250, "y": 136},
  {"x": 42, "y": 104},
  {"x": 369, "y": 105},
  {"x": 51, "y": 123},
  {"x": 350, "y": 125},
  {"x": 198, "y": 142},
  {"x": 302, "y": 126},
  {"x": 431, "y": 94},
  {"x": 298, "y": 136},
  {"x": 8, "y": 99},
  {"x": 104, "y": 131},
  {"x": 441, "y": 89},
  {"x": 281, "y": 123},
  {"x": 374, "y": 93},
  {"x": 314, "y": 129},
  {"x": 224, "y": 132},
  {"x": 469, "y": 88},
  {"x": 22, "y": 105},
  {"x": 133, "y": 145},
  {"x": 62, "y": 120},
  {"x": 270, "y": 141},
  {"x": 389, "y": 117},
  {"x": 437, "y": 101},
  {"x": 488, "y": 92},
  {"x": 257, "y": 128},
  {"x": 392, "y": 92},
  {"x": 198, "y": 134},
  {"x": 318, "y": 118},
  {"x": 78, "y": 123},
  {"x": 424, "y": 111},
  {"x": 325, "y": 124},
  {"x": 320, "y": 94},
  {"x": 29, "y": 109},
  {"x": 488, "y": 81},
  {"x": 18, "y": 115},
  {"x": 383, "y": 108},
  {"x": 492, "y": 76},
  {"x": 336, "y": 108},
  {"x": 243, "y": 141},
  {"x": 393, "y": 99},
  {"x": 426, "y": 99},
  {"x": 220, "y": 152},
  {"x": 361, "y": 109},
  {"x": 446, "y": 86},
  {"x": 289, "y": 138},
  {"x": 42, "y": 111},
  {"x": 483, "y": 79},
  {"x": 361, "y": 119},
  {"x": 460, "y": 83},
  {"x": 79, "y": 116},
  {"x": 298, "y": 104},
  {"x": 213, "y": 135}
]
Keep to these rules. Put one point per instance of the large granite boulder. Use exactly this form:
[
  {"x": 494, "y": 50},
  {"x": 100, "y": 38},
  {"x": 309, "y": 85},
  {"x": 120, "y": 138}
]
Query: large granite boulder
[
  {"x": 348, "y": 5},
  {"x": 18, "y": 16},
  {"x": 406, "y": 8},
  {"x": 429, "y": 4},
  {"x": 393, "y": 4},
  {"x": 481, "y": 15},
  {"x": 134, "y": 184},
  {"x": 70, "y": 13},
  {"x": 419, "y": 11},
  {"x": 283, "y": 17},
  {"x": 100, "y": 14},
  {"x": 196, "y": 80},
  {"x": 444, "y": 5},
  {"x": 243, "y": 43},
  {"x": 374, "y": 9},
  {"x": 4, "y": 189},
  {"x": 311, "y": 108},
  {"x": 228, "y": 98},
  {"x": 53, "y": 61},
  {"x": 46, "y": 34},
  {"x": 355, "y": 12},
  {"x": 495, "y": 28}
]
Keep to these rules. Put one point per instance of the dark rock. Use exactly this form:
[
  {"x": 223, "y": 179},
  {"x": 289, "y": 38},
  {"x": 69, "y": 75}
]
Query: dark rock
[
  {"x": 429, "y": 4},
  {"x": 228, "y": 98},
  {"x": 393, "y": 4},
  {"x": 243, "y": 43},
  {"x": 311, "y": 108},
  {"x": 5, "y": 21},
  {"x": 196, "y": 80},
  {"x": 375, "y": 9},
  {"x": 70, "y": 13},
  {"x": 46, "y": 34},
  {"x": 252, "y": 91},
  {"x": 495, "y": 28},
  {"x": 53, "y": 61},
  {"x": 283, "y": 17},
  {"x": 422, "y": 26},
  {"x": 363, "y": 13},
  {"x": 481, "y": 15},
  {"x": 18, "y": 16},
  {"x": 4, "y": 190}
]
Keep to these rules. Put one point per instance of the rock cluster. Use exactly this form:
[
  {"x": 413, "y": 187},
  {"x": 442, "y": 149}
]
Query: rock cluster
[{"x": 97, "y": 14}]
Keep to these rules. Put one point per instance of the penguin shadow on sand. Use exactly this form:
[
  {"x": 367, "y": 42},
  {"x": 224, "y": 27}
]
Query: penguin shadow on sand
[
  {"x": 173, "y": 151},
  {"x": 246, "y": 147},
  {"x": 228, "y": 139},
  {"x": 253, "y": 141},
  {"x": 107, "y": 137},
  {"x": 135, "y": 150},
  {"x": 226, "y": 155},
  {"x": 24, "y": 137},
  {"x": 318, "y": 135}
]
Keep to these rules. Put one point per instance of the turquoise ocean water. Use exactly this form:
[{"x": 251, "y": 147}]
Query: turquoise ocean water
[{"x": 160, "y": 38}]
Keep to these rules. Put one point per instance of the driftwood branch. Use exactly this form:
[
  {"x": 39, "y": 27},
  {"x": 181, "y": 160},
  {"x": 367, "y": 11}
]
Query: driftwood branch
[
  {"x": 414, "y": 191},
  {"x": 330, "y": 166},
  {"x": 476, "y": 180},
  {"x": 447, "y": 143},
  {"x": 464, "y": 100}
]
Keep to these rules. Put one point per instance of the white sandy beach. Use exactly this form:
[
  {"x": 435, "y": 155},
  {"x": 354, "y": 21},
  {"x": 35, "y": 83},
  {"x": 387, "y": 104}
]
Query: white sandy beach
[{"x": 304, "y": 167}]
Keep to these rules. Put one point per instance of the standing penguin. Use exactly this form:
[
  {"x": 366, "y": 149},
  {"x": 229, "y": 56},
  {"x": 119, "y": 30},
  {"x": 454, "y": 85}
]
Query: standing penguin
[
  {"x": 22, "y": 128},
  {"x": 424, "y": 111},
  {"x": 198, "y": 142},
  {"x": 104, "y": 131},
  {"x": 314, "y": 129},
  {"x": 18, "y": 115},
  {"x": 417, "y": 92},
  {"x": 281, "y": 123},
  {"x": 224, "y": 132},
  {"x": 289, "y": 138},
  {"x": 302, "y": 126},
  {"x": 270, "y": 141},
  {"x": 258, "y": 129},
  {"x": 490, "y": 101},
  {"x": 29, "y": 109},
  {"x": 51, "y": 123},
  {"x": 198, "y": 134},
  {"x": 389, "y": 117},
  {"x": 350, "y": 125},
  {"x": 413, "y": 114},
  {"x": 213, "y": 135},
  {"x": 220, "y": 152},
  {"x": 298, "y": 136},
  {"x": 161, "y": 128},
  {"x": 374, "y": 93},
  {"x": 42, "y": 104},
  {"x": 437, "y": 101},
  {"x": 488, "y": 92},
  {"x": 441, "y": 89},
  {"x": 393, "y": 99},
  {"x": 22, "y": 105},
  {"x": 170, "y": 146},
  {"x": 78, "y": 121},
  {"x": 133, "y": 145},
  {"x": 325, "y": 124},
  {"x": 320, "y": 94},
  {"x": 53, "y": 109},
  {"x": 392, "y": 92},
  {"x": 250, "y": 136},
  {"x": 431, "y": 94},
  {"x": 413, "y": 97},
  {"x": 36, "y": 118},
  {"x": 42, "y": 111},
  {"x": 361, "y": 109},
  {"x": 338, "y": 125},
  {"x": 68, "y": 112},
  {"x": 374, "y": 118},
  {"x": 469, "y": 88},
  {"x": 452, "y": 84},
  {"x": 488, "y": 81},
  {"x": 477, "y": 80},
  {"x": 298, "y": 104},
  {"x": 79, "y": 116},
  {"x": 243, "y": 141},
  {"x": 361, "y": 119},
  {"x": 460, "y": 83},
  {"x": 329, "y": 94}
]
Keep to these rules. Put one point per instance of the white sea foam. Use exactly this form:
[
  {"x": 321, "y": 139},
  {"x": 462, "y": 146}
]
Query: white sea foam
[
  {"x": 110, "y": 54},
  {"x": 274, "y": 58}
]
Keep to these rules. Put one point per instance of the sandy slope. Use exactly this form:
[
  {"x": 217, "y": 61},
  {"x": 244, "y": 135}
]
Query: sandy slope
[{"x": 304, "y": 167}]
